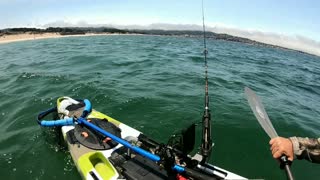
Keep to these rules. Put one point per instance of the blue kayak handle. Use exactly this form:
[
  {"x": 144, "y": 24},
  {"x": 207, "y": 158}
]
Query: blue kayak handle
[
  {"x": 87, "y": 108},
  {"x": 61, "y": 122}
]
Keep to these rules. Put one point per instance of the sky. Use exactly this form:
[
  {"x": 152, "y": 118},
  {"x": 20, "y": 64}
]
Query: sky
[{"x": 297, "y": 19}]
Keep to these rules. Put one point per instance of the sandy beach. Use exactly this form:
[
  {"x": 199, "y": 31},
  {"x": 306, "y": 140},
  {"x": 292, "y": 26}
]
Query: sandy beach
[{"x": 30, "y": 36}]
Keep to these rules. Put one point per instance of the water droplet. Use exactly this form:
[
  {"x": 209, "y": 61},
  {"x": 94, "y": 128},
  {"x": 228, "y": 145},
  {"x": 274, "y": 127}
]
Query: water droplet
[{"x": 14, "y": 169}]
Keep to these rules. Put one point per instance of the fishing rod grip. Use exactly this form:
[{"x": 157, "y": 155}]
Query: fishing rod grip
[
  {"x": 192, "y": 173},
  {"x": 285, "y": 164},
  {"x": 197, "y": 175}
]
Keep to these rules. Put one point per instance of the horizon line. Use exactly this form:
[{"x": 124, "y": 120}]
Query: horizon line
[{"x": 295, "y": 42}]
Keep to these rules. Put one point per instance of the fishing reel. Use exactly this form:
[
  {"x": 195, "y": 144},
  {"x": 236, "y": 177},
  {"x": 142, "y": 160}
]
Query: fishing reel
[
  {"x": 167, "y": 157},
  {"x": 183, "y": 141},
  {"x": 176, "y": 151}
]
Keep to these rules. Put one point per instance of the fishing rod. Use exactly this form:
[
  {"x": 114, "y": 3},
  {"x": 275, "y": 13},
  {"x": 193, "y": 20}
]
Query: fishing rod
[{"x": 206, "y": 146}]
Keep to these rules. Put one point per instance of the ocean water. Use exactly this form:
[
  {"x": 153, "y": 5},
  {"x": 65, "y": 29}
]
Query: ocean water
[{"x": 156, "y": 85}]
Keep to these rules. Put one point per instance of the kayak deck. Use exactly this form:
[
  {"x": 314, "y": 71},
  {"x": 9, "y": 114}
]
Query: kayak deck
[{"x": 101, "y": 156}]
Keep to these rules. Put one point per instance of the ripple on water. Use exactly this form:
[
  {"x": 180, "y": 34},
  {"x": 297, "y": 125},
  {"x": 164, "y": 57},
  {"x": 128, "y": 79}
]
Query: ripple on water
[{"x": 152, "y": 82}]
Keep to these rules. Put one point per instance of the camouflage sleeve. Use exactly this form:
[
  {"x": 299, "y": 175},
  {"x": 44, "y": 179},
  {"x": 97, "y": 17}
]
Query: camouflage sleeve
[{"x": 306, "y": 148}]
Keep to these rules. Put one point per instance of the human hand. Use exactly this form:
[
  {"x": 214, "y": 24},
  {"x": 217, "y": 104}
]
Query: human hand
[{"x": 281, "y": 146}]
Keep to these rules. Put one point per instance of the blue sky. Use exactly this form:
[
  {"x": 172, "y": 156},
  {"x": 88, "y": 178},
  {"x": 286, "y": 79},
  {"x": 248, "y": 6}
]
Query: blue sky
[{"x": 289, "y": 17}]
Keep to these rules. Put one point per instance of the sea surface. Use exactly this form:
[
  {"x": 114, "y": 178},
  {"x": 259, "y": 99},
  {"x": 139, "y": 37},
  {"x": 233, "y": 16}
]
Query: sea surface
[{"x": 156, "y": 85}]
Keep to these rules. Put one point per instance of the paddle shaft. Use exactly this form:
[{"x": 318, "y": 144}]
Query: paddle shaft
[
  {"x": 287, "y": 167},
  {"x": 263, "y": 119}
]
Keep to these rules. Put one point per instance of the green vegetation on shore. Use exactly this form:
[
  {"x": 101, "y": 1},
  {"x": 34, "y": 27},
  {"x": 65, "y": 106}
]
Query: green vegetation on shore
[{"x": 61, "y": 30}]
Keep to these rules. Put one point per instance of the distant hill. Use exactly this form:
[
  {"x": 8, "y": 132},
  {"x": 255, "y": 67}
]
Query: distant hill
[
  {"x": 97, "y": 30},
  {"x": 61, "y": 30}
]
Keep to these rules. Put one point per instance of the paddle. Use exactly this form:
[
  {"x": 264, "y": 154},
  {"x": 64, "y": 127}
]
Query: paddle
[{"x": 263, "y": 119}]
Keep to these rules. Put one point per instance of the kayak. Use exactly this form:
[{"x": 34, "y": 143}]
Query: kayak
[{"x": 104, "y": 148}]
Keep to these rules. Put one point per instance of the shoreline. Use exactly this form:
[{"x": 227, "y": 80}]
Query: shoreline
[
  {"x": 4, "y": 39},
  {"x": 28, "y": 36}
]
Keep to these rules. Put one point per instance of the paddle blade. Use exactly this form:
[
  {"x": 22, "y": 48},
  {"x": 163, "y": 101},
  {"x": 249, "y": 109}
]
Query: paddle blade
[
  {"x": 263, "y": 119},
  {"x": 260, "y": 113}
]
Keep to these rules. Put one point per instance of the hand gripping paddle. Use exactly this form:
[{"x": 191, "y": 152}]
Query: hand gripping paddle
[{"x": 263, "y": 119}]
